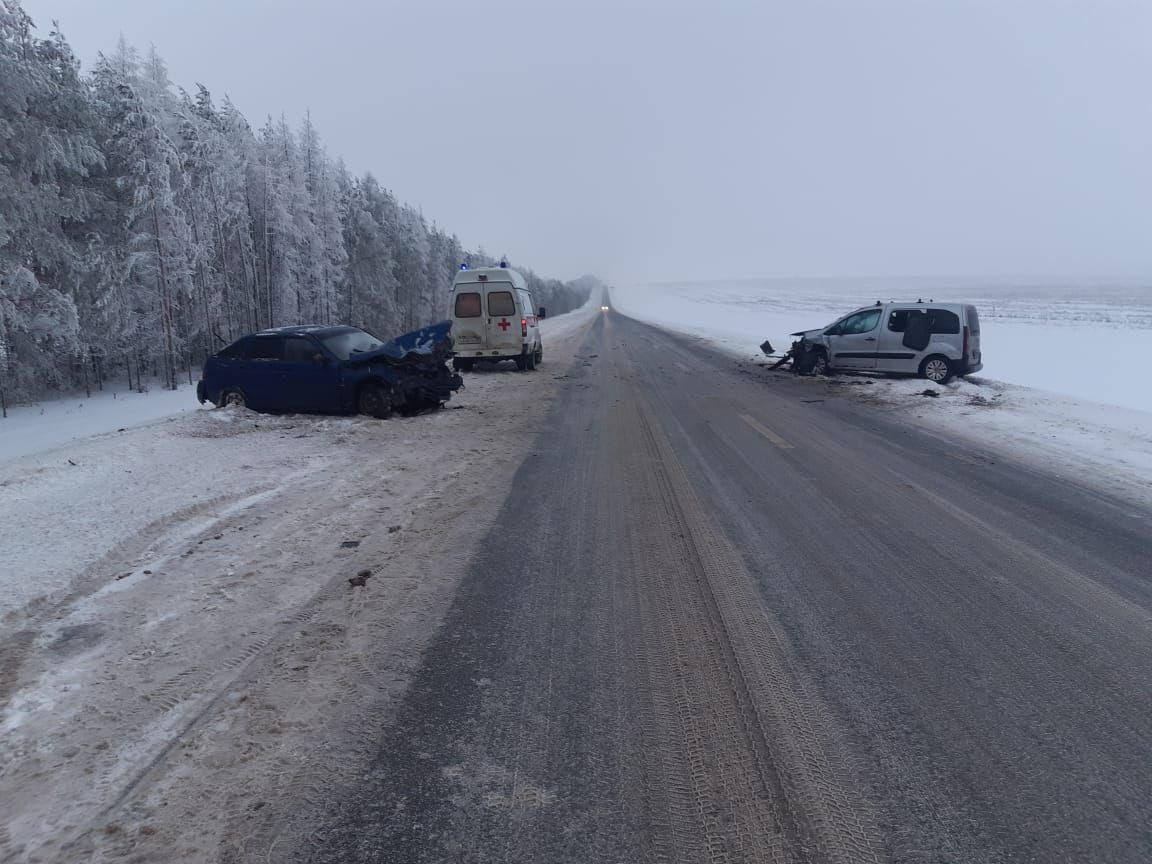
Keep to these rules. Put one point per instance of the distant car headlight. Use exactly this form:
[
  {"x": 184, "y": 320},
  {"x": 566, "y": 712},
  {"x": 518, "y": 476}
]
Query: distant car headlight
[{"x": 603, "y": 308}]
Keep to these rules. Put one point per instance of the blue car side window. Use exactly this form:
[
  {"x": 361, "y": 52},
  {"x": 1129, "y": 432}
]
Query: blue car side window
[
  {"x": 236, "y": 351},
  {"x": 266, "y": 348},
  {"x": 299, "y": 349}
]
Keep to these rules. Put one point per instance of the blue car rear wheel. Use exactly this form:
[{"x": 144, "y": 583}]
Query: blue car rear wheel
[{"x": 232, "y": 397}]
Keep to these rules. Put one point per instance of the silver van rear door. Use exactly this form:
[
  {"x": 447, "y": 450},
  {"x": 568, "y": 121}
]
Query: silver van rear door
[{"x": 972, "y": 321}]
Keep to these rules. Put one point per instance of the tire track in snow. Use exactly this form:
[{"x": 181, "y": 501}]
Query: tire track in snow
[{"x": 786, "y": 733}]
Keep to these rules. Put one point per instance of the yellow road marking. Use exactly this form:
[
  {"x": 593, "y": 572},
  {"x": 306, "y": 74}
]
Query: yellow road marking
[{"x": 766, "y": 432}]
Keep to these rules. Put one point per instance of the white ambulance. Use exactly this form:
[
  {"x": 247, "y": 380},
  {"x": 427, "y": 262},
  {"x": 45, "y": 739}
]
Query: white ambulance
[{"x": 494, "y": 318}]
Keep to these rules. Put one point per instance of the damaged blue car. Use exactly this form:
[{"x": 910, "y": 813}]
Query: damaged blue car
[{"x": 333, "y": 370}]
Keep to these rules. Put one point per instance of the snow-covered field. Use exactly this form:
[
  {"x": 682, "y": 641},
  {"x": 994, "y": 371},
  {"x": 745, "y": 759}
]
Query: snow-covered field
[
  {"x": 177, "y": 574},
  {"x": 1063, "y": 385}
]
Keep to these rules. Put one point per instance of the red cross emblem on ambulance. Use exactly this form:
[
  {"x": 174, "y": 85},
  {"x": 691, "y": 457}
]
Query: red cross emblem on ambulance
[{"x": 504, "y": 325}]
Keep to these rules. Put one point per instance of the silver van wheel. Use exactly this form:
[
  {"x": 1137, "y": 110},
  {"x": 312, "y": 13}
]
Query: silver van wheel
[
  {"x": 936, "y": 369},
  {"x": 820, "y": 365}
]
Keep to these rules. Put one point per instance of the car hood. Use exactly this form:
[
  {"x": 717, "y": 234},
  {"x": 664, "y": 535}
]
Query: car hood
[
  {"x": 433, "y": 341},
  {"x": 810, "y": 335}
]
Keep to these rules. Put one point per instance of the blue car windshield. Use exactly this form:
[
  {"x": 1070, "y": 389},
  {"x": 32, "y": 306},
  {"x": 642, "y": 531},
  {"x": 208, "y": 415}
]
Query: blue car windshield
[{"x": 349, "y": 342}]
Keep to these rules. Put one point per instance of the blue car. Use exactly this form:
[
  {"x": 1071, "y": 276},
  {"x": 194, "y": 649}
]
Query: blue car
[{"x": 332, "y": 370}]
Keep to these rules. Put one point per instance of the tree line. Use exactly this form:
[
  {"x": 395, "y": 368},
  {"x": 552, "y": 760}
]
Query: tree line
[{"x": 143, "y": 227}]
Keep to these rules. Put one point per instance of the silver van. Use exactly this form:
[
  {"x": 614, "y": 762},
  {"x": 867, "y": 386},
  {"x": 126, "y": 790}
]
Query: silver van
[{"x": 932, "y": 340}]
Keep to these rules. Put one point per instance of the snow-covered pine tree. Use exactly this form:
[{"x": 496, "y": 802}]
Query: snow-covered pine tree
[
  {"x": 46, "y": 154},
  {"x": 138, "y": 227},
  {"x": 145, "y": 164}
]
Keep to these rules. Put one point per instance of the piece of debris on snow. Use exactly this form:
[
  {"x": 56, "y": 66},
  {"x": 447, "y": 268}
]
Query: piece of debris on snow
[
  {"x": 983, "y": 400},
  {"x": 349, "y": 544},
  {"x": 360, "y": 579},
  {"x": 393, "y": 529},
  {"x": 933, "y": 393}
]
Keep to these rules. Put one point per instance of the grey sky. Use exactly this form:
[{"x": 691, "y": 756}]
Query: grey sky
[{"x": 671, "y": 140}]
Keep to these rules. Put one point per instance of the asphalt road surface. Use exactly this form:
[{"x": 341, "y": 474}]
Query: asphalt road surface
[{"x": 719, "y": 623}]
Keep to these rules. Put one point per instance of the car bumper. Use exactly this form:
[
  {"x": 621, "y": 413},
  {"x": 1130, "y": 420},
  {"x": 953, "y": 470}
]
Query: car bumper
[
  {"x": 439, "y": 388},
  {"x": 969, "y": 368},
  {"x": 200, "y": 396},
  {"x": 490, "y": 354}
]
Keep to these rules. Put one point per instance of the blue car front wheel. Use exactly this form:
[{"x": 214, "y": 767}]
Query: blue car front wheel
[{"x": 374, "y": 400}]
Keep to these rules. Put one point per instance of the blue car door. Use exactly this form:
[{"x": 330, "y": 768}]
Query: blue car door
[
  {"x": 260, "y": 375},
  {"x": 311, "y": 379}
]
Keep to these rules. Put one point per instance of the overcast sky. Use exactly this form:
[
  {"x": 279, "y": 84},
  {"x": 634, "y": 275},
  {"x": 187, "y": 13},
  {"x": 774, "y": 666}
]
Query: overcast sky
[{"x": 672, "y": 140}]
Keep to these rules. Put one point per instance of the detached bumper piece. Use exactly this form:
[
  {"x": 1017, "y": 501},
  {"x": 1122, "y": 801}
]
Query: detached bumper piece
[{"x": 802, "y": 355}]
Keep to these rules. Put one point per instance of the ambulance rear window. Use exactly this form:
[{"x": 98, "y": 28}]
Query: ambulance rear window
[
  {"x": 468, "y": 305},
  {"x": 501, "y": 303}
]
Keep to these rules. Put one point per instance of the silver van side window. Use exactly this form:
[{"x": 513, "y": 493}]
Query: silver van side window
[
  {"x": 898, "y": 320},
  {"x": 861, "y": 322},
  {"x": 943, "y": 321}
]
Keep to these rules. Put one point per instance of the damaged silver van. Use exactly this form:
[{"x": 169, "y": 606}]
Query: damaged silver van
[{"x": 933, "y": 340}]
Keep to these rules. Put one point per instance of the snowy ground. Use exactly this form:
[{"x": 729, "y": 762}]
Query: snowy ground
[
  {"x": 1062, "y": 385},
  {"x": 177, "y": 627},
  {"x": 52, "y": 423}
]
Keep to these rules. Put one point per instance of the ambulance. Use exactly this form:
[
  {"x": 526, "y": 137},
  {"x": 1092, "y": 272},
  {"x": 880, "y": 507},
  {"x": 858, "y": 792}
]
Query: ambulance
[{"x": 494, "y": 318}]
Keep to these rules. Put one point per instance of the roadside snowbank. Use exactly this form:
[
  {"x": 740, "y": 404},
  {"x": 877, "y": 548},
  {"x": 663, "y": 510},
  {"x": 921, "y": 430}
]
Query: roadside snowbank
[
  {"x": 1102, "y": 446},
  {"x": 48, "y": 425},
  {"x": 1055, "y": 390}
]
